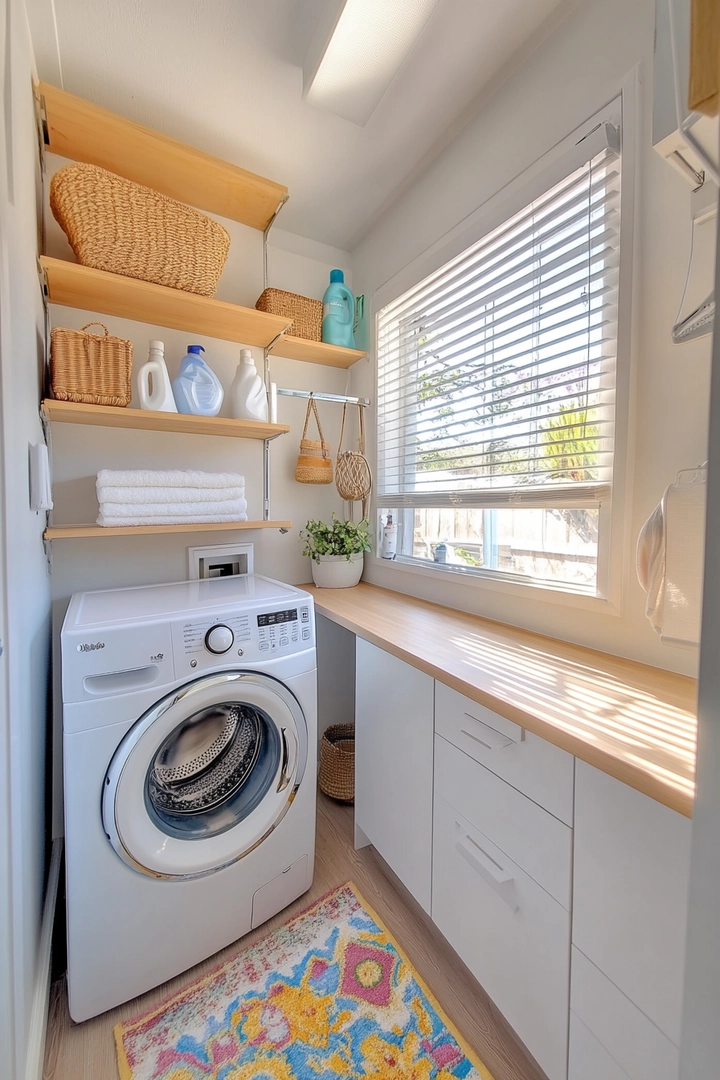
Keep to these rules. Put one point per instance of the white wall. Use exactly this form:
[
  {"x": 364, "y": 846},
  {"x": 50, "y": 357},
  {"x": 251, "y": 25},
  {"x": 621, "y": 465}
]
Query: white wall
[
  {"x": 25, "y": 586},
  {"x": 294, "y": 264},
  {"x": 700, "y": 1042},
  {"x": 572, "y": 75}
]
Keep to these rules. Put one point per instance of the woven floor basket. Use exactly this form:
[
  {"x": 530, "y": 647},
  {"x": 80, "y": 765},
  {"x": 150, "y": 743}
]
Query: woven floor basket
[
  {"x": 306, "y": 314},
  {"x": 124, "y": 228},
  {"x": 90, "y": 367},
  {"x": 337, "y": 762}
]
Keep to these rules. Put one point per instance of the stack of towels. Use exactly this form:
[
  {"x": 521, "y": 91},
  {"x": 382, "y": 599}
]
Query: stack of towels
[{"x": 169, "y": 497}]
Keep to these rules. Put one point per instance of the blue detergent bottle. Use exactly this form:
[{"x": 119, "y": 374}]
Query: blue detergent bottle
[
  {"x": 338, "y": 312},
  {"x": 196, "y": 388}
]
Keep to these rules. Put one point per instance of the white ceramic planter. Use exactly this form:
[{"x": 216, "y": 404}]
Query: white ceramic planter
[{"x": 336, "y": 571}]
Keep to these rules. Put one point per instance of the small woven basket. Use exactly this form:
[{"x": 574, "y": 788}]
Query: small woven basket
[
  {"x": 306, "y": 314},
  {"x": 90, "y": 368},
  {"x": 123, "y": 228},
  {"x": 314, "y": 463},
  {"x": 337, "y": 762}
]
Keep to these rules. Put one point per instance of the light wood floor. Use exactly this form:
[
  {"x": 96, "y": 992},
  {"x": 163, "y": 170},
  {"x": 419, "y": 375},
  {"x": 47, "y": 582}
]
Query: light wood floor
[{"x": 87, "y": 1052}]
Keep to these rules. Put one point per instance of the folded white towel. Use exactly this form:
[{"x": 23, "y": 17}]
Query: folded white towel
[
  {"x": 185, "y": 478},
  {"x": 110, "y": 522},
  {"x": 137, "y": 496},
  {"x": 232, "y": 509}
]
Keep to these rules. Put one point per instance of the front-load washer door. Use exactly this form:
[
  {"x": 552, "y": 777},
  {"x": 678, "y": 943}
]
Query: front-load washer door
[{"x": 205, "y": 775}]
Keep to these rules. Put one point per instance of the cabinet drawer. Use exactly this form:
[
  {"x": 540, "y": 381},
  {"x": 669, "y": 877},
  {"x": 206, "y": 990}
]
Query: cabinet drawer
[
  {"x": 589, "y": 1060},
  {"x": 631, "y": 1040},
  {"x": 534, "y": 839},
  {"x": 509, "y": 931},
  {"x": 631, "y": 877},
  {"x": 540, "y": 770}
]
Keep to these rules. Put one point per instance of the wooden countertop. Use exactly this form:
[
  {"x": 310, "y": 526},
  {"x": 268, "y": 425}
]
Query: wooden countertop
[{"x": 636, "y": 723}]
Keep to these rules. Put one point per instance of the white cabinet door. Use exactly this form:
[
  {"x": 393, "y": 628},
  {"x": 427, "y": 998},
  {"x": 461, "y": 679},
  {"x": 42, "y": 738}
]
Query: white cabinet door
[
  {"x": 394, "y": 764},
  {"x": 631, "y": 873}
]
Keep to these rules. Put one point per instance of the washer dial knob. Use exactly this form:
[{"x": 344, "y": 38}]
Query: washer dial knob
[{"x": 219, "y": 639}]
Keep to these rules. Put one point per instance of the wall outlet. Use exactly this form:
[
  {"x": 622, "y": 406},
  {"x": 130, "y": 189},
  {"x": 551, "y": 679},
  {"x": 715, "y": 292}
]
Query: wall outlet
[{"x": 223, "y": 560}]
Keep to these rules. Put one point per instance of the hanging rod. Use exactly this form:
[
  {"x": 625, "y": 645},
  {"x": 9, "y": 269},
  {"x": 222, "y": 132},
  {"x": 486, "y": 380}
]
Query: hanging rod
[{"x": 364, "y": 402}]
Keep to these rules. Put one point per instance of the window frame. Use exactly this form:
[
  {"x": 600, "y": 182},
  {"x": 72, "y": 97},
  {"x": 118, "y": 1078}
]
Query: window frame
[{"x": 614, "y": 513}]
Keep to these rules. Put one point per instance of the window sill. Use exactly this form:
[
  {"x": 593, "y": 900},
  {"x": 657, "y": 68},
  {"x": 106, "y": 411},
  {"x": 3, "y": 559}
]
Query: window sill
[{"x": 529, "y": 590}]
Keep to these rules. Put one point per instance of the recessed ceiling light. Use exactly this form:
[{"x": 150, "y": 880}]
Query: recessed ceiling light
[{"x": 357, "y": 50}]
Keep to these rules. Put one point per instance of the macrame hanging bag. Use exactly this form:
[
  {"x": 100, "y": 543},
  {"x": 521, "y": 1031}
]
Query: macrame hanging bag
[
  {"x": 314, "y": 464},
  {"x": 353, "y": 477}
]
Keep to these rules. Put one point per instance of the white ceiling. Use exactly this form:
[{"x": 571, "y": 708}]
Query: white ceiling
[{"x": 226, "y": 76}]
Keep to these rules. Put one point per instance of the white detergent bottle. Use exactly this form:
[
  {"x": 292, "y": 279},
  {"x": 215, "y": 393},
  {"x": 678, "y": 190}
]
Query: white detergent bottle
[
  {"x": 197, "y": 388},
  {"x": 153, "y": 382},
  {"x": 247, "y": 396}
]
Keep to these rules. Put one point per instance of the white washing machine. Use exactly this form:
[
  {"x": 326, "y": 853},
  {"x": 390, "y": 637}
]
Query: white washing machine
[{"x": 189, "y": 718}]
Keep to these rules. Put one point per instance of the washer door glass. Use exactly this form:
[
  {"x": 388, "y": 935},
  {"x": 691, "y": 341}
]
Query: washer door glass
[{"x": 205, "y": 775}]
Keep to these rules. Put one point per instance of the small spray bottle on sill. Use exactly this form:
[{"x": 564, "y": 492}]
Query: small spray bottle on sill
[{"x": 388, "y": 548}]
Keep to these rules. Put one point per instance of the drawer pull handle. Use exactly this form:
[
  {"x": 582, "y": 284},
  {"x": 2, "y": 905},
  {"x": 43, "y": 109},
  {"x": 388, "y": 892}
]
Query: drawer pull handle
[
  {"x": 487, "y": 736},
  {"x": 499, "y": 879}
]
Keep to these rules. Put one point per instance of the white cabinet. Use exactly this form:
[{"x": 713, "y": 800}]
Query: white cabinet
[
  {"x": 394, "y": 764},
  {"x": 631, "y": 873},
  {"x": 605, "y": 1023},
  {"x": 501, "y": 895}
]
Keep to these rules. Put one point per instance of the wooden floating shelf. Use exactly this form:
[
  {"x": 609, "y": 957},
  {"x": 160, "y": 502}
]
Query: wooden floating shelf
[
  {"x": 315, "y": 352},
  {"x": 71, "y": 412},
  {"x": 78, "y": 532},
  {"x": 72, "y": 285},
  {"x": 78, "y": 129}
]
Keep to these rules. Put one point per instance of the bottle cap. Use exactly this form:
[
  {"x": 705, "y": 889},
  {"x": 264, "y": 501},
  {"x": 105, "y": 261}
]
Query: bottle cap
[
  {"x": 337, "y": 275},
  {"x": 157, "y": 346},
  {"x": 246, "y": 356},
  {"x": 197, "y": 349}
]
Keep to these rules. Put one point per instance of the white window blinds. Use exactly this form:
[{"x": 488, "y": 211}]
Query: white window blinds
[{"x": 496, "y": 374}]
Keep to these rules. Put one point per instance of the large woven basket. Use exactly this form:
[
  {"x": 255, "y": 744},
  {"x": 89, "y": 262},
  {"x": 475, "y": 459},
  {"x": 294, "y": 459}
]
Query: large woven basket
[
  {"x": 306, "y": 314},
  {"x": 90, "y": 368},
  {"x": 121, "y": 227},
  {"x": 337, "y": 762}
]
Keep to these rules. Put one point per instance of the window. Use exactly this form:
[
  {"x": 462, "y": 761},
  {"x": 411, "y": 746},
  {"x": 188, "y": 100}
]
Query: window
[{"x": 496, "y": 390}]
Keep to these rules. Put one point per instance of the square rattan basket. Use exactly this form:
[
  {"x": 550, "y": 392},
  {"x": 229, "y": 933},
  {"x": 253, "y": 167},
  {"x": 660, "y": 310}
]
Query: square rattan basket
[
  {"x": 92, "y": 368},
  {"x": 306, "y": 314}
]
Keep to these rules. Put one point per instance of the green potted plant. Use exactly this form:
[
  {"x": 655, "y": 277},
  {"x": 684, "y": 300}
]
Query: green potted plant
[{"x": 336, "y": 551}]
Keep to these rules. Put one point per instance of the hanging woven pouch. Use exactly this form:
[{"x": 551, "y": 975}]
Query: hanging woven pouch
[
  {"x": 353, "y": 477},
  {"x": 314, "y": 464}
]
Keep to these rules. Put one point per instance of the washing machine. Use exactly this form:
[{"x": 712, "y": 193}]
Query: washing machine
[{"x": 189, "y": 734}]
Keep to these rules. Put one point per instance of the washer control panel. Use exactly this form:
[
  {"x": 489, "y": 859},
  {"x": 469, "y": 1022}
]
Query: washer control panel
[{"x": 255, "y": 635}]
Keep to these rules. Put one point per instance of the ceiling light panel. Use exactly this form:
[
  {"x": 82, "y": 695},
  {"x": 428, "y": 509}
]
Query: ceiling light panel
[{"x": 352, "y": 62}]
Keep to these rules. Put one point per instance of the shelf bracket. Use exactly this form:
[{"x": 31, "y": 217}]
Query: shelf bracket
[{"x": 266, "y": 233}]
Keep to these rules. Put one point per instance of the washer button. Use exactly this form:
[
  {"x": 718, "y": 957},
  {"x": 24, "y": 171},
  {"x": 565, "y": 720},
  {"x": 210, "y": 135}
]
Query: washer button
[
  {"x": 219, "y": 639},
  {"x": 264, "y": 646},
  {"x": 193, "y": 663},
  {"x": 306, "y": 633}
]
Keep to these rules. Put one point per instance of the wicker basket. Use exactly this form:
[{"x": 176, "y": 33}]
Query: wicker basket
[
  {"x": 337, "y": 762},
  {"x": 306, "y": 314},
  {"x": 124, "y": 228},
  {"x": 90, "y": 368}
]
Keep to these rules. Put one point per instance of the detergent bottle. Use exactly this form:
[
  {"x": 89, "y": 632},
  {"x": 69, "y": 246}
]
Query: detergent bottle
[
  {"x": 197, "y": 388},
  {"x": 247, "y": 397},
  {"x": 338, "y": 312},
  {"x": 153, "y": 382}
]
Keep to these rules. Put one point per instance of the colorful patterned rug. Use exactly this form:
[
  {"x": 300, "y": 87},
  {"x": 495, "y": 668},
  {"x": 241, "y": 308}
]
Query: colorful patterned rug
[{"x": 329, "y": 995}]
